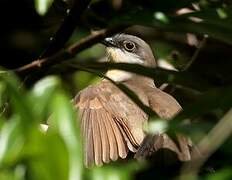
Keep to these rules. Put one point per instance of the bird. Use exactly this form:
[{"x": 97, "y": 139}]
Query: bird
[{"x": 112, "y": 125}]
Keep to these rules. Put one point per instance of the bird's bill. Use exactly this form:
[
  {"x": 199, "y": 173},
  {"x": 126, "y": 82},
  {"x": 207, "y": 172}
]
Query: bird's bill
[{"x": 108, "y": 42}]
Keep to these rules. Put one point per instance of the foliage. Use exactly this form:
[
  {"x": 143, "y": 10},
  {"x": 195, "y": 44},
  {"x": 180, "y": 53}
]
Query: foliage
[
  {"x": 28, "y": 151},
  {"x": 199, "y": 40}
]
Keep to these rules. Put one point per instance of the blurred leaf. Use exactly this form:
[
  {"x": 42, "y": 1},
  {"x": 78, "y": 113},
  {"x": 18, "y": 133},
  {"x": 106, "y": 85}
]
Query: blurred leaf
[
  {"x": 47, "y": 156},
  {"x": 17, "y": 174},
  {"x": 19, "y": 103},
  {"x": 42, "y": 94},
  {"x": 64, "y": 119},
  {"x": 161, "y": 17},
  {"x": 82, "y": 79},
  {"x": 114, "y": 171},
  {"x": 224, "y": 174},
  {"x": 42, "y": 6},
  {"x": 95, "y": 52},
  {"x": 157, "y": 126},
  {"x": 11, "y": 142},
  {"x": 221, "y": 13},
  {"x": 209, "y": 23},
  {"x": 211, "y": 17},
  {"x": 2, "y": 90}
]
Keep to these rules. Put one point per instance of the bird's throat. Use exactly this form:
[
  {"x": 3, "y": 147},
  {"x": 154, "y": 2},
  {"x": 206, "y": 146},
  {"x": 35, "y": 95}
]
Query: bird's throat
[{"x": 119, "y": 75}]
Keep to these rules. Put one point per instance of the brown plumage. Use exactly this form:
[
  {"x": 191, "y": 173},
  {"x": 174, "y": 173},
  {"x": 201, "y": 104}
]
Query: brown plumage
[{"x": 111, "y": 123}]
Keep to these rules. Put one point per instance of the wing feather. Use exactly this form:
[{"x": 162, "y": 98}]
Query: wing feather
[
  {"x": 104, "y": 137},
  {"x": 84, "y": 122},
  {"x": 89, "y": 145},
  {"x": 127, "y": 140},
  {"x": 96, "y": 138},
  {"x": 122, "y": 152},
  {"x": 111, "y": 136}
]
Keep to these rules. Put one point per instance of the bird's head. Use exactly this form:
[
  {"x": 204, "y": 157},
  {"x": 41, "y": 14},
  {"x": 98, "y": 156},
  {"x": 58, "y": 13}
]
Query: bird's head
[{"x": 124, "y": 48}]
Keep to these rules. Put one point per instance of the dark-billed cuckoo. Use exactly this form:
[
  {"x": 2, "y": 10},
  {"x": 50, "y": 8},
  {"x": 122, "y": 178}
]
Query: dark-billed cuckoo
[{"x": 111, "y": 123}]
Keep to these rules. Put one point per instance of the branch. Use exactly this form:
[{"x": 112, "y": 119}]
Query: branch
[
  {"x": 67, "y": 27},
  {"x": 191, "y": 61},
  {"x": 68, "y": 53},
  {"x": 196, "y": 53}
]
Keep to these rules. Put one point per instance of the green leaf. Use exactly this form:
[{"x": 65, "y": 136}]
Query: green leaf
[
  {"x": 11, "y": 142},
  {"x": 46, "y": 156},
  {"x": 20, "y": 104},
  {"x": 42, "y": 6},
  {"x": 208, "y": 22},
  {"x": 161, "y": 17},
  {"x": 64, "y": 120},
  {"x": 42, "y": 93},
  {"x": 18, "y": 173},
  {"x": 225, "y": 174},
  {"x": 115, "y": 171}
]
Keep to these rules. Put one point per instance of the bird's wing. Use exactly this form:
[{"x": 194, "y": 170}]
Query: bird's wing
[
  {"x": 163, "y": 104},
  {"x": 110, "y": 122},
  {"x": 166, "y": 107}
]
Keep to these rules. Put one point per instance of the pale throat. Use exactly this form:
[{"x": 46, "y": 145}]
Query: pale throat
[
  {"x": 119, "y": 75},
  {"x": 118, "y": 56}
]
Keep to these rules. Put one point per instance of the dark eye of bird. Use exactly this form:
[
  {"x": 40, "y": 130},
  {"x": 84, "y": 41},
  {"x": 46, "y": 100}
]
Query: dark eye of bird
[{"x": 129, "y": 46}]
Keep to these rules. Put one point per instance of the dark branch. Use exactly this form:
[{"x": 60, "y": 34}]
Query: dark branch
[
  {"x": 66, "y": 29},
  {"x": 68, "y": 53}
]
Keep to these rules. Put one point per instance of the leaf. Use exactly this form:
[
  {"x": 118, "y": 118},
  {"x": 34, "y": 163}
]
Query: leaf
[
  {"x": 18, "y": 173},
  {"x": 21, "y": 141},
  {"x": 115, "y": 171},
  {"x": 224, "y": 173},
  {"x": 42, "y": 93},
  {"x": 64, "y": 121},
  {"x": 42, "y": 6},
  {"x": 209, "y": 23},
  {"x": 46, "y": 156},
  {"x": 11, "y": 142}
]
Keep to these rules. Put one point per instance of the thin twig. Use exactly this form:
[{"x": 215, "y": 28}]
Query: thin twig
[
  {"x": 196, "y": 53},
  {"x": 188, "y": 65}
]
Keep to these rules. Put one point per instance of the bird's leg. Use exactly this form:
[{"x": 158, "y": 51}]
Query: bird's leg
[
  {"x": 146, "y": 148},
  {"x": 153, "y": 143}
]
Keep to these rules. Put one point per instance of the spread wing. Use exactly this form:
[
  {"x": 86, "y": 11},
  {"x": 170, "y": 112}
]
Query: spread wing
[{"x": 111, "y": 123}]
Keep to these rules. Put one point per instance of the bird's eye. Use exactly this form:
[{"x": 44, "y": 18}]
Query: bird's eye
[{"x": 129, "y": 46}]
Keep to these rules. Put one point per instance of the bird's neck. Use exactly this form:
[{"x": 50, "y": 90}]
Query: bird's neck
[
  {"x": 128, "y": 77},
  {"x": 119, "y": 75}
]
